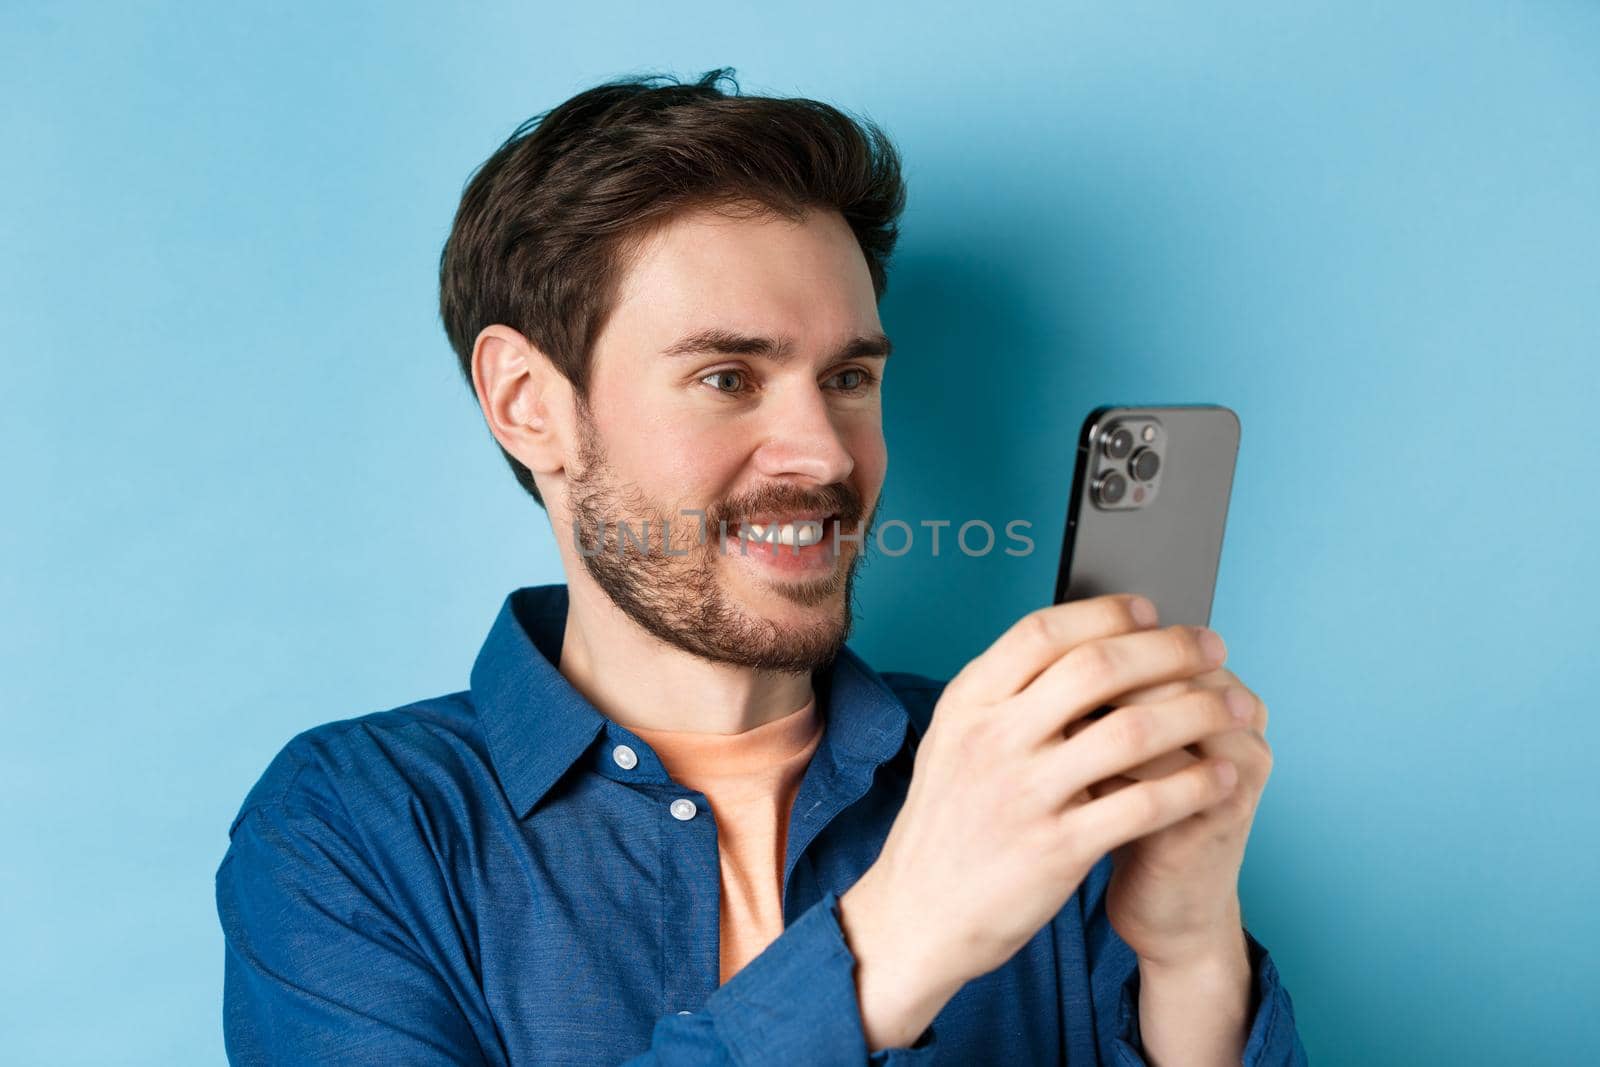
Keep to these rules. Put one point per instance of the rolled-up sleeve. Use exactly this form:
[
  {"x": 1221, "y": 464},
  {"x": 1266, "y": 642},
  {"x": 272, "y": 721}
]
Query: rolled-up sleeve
[
  {"x": 796, "y": 1002},
  {"x": 1273, "y": 1039}
]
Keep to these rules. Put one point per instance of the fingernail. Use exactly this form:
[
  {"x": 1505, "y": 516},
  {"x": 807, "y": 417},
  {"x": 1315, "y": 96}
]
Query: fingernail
[
  {"x": 1211, "y": 642},
  {"x": 1227, "y": 774},
  {"x": 1238, "y": 702},
  {"x": 1144, "y": 611}
]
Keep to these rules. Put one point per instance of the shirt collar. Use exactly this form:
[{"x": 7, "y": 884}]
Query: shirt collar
[{"x": 537, "y": 725}]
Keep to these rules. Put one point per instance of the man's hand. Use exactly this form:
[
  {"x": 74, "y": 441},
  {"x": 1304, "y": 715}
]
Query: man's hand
[
  {"x": 1000, "y": 825},
  {"x": 1173, "y": 895}
]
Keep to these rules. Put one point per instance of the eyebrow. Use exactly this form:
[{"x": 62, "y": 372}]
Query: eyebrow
[{"x": 729, "y": 343}]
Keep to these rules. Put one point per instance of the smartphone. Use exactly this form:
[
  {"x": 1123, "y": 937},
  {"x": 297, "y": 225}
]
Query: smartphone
[{"x": 1150, "y": 492}]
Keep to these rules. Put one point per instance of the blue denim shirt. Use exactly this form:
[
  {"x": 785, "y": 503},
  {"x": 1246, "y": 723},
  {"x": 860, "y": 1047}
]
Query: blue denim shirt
[{"x": 486, "y": 878}]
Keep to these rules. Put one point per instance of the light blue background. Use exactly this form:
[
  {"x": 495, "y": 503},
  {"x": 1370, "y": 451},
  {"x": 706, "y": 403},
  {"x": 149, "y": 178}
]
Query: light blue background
[{"x": 248, "y": 493}]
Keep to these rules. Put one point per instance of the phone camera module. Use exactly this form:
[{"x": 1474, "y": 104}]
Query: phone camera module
[
  {"x": 1117, "y": 441},
  {"x": 1144, "y": 464},
  {"x": 1110, "y": 487}
]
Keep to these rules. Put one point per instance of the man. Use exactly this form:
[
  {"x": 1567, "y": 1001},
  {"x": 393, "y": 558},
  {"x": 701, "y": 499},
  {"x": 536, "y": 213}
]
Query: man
[{"x": 674, "y": 819}]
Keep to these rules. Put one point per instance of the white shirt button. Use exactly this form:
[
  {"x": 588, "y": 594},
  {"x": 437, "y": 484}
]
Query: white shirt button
[
  {"x": 625, "y": 757},
  {"x": 683, "y": 808},
  {"x": 686, "y": 1013}
]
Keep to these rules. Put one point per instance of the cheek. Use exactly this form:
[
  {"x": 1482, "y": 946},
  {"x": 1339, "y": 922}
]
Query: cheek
[
  {"x": 870, "y": 452},
  {"x": 674, "y": 464}
]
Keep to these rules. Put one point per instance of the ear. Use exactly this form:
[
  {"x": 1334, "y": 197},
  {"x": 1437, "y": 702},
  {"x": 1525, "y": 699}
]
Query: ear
[{"x": 525, "y": 400}]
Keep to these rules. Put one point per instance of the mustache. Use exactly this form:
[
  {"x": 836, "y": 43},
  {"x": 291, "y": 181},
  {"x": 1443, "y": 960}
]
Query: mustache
[{"x": 837, "y": 499}]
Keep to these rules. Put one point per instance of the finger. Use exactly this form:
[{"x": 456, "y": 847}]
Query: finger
[
  {"x": 1155, "y": 768},
  {"x": 1145, "y": 807},
  {"x": 1092, "y": 674},
  {"x": 1039, "y": 639},
  {"x": 1220, "y": 678},
  {"x": 1160, "y": 767},
  {"x": 1246, "y": 748},
  {"x": 1136, "y": 733}
]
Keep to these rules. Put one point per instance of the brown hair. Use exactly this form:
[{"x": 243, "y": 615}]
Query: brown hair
[{"x": 542, "y": 237}]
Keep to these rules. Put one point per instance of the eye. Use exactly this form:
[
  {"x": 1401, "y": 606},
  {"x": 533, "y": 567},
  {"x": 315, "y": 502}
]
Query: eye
[
  {"x": 720, "y": 379},
  {"x": 860, "y": 379}
]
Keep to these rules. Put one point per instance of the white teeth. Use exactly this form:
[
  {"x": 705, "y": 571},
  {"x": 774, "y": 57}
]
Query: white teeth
[{"x": 798, "y": 534}]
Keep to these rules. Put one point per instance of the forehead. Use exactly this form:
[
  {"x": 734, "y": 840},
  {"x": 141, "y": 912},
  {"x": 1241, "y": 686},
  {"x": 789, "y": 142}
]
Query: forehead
[{"x": 703, "y": 268}]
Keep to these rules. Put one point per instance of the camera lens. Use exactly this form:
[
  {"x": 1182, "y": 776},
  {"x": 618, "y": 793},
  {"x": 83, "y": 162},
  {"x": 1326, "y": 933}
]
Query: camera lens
[
  {"x": 1144, "y": 464},
  {"x": 1109, "y": 487},
  {"x": 1117, "y": 441}
]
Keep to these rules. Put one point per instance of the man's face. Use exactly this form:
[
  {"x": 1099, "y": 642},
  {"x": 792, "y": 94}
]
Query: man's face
[{"x": 736, "y": 435}]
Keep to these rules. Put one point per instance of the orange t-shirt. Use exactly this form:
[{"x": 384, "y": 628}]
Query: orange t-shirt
[{"x": 751, "y": 780}]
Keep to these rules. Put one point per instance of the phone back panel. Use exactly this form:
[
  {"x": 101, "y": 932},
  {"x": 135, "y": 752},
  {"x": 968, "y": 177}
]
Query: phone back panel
[{"x": 1167, "y": 548}]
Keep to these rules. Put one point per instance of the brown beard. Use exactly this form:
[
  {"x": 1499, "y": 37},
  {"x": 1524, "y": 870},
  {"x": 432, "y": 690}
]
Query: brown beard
[{"x": 679, "y": 598}]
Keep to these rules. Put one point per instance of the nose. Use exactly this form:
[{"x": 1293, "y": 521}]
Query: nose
[{"x": 801, "y": 439}]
